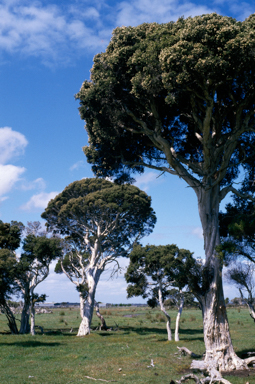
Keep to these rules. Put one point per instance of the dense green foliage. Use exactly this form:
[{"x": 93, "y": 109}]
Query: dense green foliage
[
  {"x": 121, "y": 212},
  {"x": 10, "y": 237},
  {"x": 237, "y": 229},
  {"x": 172, "y": 96},
  {"x": 153, "y": 267}
]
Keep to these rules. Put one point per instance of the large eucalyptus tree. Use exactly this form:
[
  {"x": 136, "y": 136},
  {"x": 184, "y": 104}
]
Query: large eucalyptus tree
[
  {"x": 180, "y": 98},
  {"x": 104, "y": 220}
]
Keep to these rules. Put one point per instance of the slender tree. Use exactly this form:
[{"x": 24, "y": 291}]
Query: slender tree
[
  {"x": 38, "y": 252},
  {"x": 153, "y": 270},
  {"x": 179, "y": 98},
  {"x": 242, "y": 276},
  {"x": 104, "y": 220},
  {"x": 10, "y": 237}
]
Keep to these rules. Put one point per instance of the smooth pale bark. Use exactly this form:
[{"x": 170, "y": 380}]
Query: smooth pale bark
[
  {"x": 217, "y": 338},
  {"x": 103, "y": 326},
  {"x": 177, "y": 322},
  {"x": 162, "y": 307},
  {"x": 32, "y": 327},
  {"x": 81, "y": 306},
  {"x": 93, "y": 275},
  {"x": 24, "y": 326}
]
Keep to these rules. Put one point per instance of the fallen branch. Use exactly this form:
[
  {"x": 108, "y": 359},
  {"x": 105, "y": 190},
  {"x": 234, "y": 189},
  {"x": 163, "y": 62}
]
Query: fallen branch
[
  {"x": 107, "y": 381},
  {"x": 186, "y": 351}
]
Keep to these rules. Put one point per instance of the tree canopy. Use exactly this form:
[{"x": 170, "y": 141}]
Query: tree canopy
[
  {"x": 94, "y": 208},
  {"x": 151, "y": 266},
  {"x": 178, "y": 97}
]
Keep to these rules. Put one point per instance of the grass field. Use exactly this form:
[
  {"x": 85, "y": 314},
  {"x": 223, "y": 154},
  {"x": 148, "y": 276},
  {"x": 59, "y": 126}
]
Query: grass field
[{"x": 121, "y": 356}]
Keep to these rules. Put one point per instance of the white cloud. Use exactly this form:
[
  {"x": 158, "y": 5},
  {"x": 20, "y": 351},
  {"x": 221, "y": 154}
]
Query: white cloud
[
  {"x": 78, "y": 165},
  {"x": 38, "y": 201},
  {"x": 35, "y": 184},
  {"x": 147, "y": 179},
  {"x": 48, "y": 31},
  {"x": 9, "y": 175},
  {"x": 198, "y": 232},
  {"x": 147, "y": 11},
  {"x": 12, "y": 144}
]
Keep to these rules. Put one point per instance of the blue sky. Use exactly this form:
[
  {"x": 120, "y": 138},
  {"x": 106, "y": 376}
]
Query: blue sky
[{"x": 46, "y": 52}]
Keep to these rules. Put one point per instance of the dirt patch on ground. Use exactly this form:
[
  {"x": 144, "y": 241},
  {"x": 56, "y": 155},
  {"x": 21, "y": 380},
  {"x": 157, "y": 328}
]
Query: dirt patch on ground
[
  {"x": 240, "y": 373},
  {"x": 237, "y": 373}
]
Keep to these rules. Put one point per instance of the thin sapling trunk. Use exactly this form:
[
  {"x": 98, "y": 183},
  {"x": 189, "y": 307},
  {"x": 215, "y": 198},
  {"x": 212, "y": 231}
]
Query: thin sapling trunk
[{"x": 177, "y": 323}]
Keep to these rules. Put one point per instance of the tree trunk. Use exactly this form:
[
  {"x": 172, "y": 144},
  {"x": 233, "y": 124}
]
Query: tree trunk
[
  {"x": 177, "y": 322},
  {"x": 103, "y": 326},
  {"x": 81, "y": 306},
  {"x": 162, "y": 307},
  {"x": 24, "y": 326},
  {"x": 10, "y": 317},
  {"x": 217, "y": 338},
  {"x": 92, "y": 280},
  {"x": 32, "y": 328}
]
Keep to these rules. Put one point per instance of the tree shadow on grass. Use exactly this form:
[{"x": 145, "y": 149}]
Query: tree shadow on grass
[
  {"x": 32, "y": 344},
  {"x": 189, "y": 334}
]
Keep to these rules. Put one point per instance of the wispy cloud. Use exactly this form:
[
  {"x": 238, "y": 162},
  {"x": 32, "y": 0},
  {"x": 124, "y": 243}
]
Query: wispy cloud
[
  {"x": 197, "y": 232},
  {"x": 147, "y": 180},
  {"x": 147, "y": 11},
  {"x": 35, "y": 184},
  {"x": 58, "y": 33},
  {"x": 9, "y": 175},
  {"x": 12, "y": 144},
  {"x": 78, "y": 165},
  {"x": 38, "y": 201},
  {"x": 48, "y": 31}
]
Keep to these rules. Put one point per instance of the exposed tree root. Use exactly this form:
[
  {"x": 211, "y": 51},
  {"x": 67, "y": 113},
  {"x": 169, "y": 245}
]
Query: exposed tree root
[
  {"x": 209, "y": 367},
  {"x": 186, "y": 351}
]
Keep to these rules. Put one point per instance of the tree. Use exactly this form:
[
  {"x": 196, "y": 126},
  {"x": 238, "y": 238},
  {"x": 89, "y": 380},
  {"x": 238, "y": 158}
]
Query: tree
[
  {"x": 179, "y": 98},
  {"x": 153, "y": 270},
  {"x": 103, "y": 220},
  {"x": 179, "y": 298},
  {"x": 73, "y": 264},
  {"x": 242, "y": 275},
  {"x": 10, "y": 237},
  {"x": 33, "y": 268}
]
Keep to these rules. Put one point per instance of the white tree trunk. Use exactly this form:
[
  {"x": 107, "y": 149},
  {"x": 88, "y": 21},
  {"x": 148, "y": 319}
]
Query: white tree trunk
[
  {"x": 217, "y": 338},
  {"x": 92, "y": 280},
  {"x": 24, "y": 325},
  {"x": 177, "y": 322},
  {"x": 168, "y": 318},
  {"x": 32, "y": 327},
  {"x": 81, "y": 306}
]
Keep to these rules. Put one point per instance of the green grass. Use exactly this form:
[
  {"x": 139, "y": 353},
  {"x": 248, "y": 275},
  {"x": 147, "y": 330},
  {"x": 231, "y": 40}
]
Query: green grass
[{"x": 59, "y": 356}]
